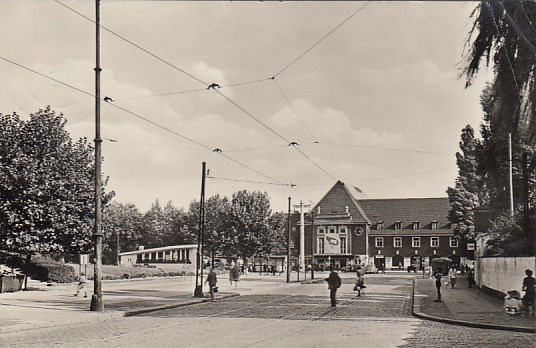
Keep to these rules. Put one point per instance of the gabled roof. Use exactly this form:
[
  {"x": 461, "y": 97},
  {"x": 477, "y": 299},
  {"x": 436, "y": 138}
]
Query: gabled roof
[
  {"x": 407, "y": 211},
  {"x": 337, "y": 199}
]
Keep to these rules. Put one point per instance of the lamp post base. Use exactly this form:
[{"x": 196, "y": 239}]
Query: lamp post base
[{"x": 198, "y": 292}]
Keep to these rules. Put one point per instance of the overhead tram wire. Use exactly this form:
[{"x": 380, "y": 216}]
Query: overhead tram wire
[
  {"x": 402, "y": 175},
  {"x": 134, "y": 44},
  {"x": 294, "y": 110},
  {"x": 385, "y": 148},
  {"x": 140, "y": 117},
  {"x": 191, "y": 90},
  {"x": 319, "y": 41},
  {"x": 250, "y": 181},
  {"x": 316, "y": 164},
  {"x": 206, "y": 84}
]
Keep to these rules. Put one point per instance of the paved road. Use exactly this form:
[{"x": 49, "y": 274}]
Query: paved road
[{"x": 280, "y": 315}]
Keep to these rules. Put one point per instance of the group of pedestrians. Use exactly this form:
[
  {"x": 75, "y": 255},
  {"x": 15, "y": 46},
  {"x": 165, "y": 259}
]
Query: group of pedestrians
[
  {"x": 529, "y": 287},
  {"x": 334, "y": 283}
]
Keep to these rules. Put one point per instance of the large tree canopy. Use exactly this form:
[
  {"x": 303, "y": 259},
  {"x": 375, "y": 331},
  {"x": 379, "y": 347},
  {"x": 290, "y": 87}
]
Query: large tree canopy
[
  {"x": 503, "y": 34},
  {"x": 46, "y": 185}
]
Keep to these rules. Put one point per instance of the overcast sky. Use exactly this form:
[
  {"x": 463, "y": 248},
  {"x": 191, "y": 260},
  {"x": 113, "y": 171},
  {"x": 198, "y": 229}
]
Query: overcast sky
[{"x": 376, "y": 104}]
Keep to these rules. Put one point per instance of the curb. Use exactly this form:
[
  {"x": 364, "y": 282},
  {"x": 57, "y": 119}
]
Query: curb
[
  {"x": 420, "y": 315},
  {"x": 174, "y": 305},
  {"x": 313, "y": 281}
]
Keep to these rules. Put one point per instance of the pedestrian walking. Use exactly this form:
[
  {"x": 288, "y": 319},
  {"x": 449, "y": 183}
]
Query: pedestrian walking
[
  {"x": 81, "y": 285},
  {"x": 360, "y": 283},
  {"x": 280, "y": 269},
  {"x": 334, "y": 282},
  {"x": 234, "y": 275},
  {"x": 438, "y": 275},
  {"x": 529, "y": 286},
  {"x": 453, "y": 276},
  {"x": 470, "y": 277},
  {"x": 212, "y": 280}
]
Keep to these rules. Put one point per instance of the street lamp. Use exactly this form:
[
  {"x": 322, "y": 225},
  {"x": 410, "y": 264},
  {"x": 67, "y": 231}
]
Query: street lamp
[{"x": 97, "y": 304}]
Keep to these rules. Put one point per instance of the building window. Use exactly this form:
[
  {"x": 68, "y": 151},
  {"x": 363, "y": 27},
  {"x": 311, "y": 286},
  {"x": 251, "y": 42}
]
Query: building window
[
  {"x": 321, "y": 245},
  {"x": 321, "y": 230},
  {"x": 434, "y": 242},
  {"x": 343, "y": 245},
  {"x": 379, "y": 225},
  {"x": 416, "y": 242},
  {"x": 342, "y": 229},
  {"x": 416, "y": 225},
  {"x": 332, "y": 230},
  {"x": 398, "y": 242},
  {"x": 379, "y": 242},
  {"x": 398, "y": 225},
  {"x": 435, "y": 224},
  {"x": 453, "y": 242}
]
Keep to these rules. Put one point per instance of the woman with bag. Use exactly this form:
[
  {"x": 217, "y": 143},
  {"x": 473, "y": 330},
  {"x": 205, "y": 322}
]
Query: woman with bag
[{"x": 360, "y": 283}]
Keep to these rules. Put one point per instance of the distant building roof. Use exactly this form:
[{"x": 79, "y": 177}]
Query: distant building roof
[
  {"x": 408, "y": 210},
  {"x": 166, "y": 248}
]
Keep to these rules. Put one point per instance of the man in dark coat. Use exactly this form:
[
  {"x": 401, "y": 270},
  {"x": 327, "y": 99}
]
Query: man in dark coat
[
  {"x": 438, "y": 275},
  {"x": 334, "y": 282},
  {"x": 212, "y": 281}
]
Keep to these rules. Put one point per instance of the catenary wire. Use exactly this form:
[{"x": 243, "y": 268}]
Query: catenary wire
[
  {"x": 402, "y": 175},
  {"x": 190, "y": 90},
  {"x": 294, "y": 110},
  {"x": 216, "y": 90},
  {"x": 141, "y": 117},
  {"x": 519, "y": 32},
  {"x": 134, "y": 44},
  {"x": 250, "y": 181},
  {"x": 384, "y": 148},
  {"x": 319, "y": 41},
  {"x": 494, "y": 20}
]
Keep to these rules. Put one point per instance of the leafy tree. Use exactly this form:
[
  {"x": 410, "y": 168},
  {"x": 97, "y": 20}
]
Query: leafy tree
[
  {"x": 163, "y": 226},
  {"x": 470, "y": 189},
  {"x": 507, "y": 238},
  {"x": 218, "y": 225},
  {"x": 46, "y": 186},
  {"x": 252, "y": 222},
  {"x": 122, "y": 227},
  {"x": 502, "y": 33}
]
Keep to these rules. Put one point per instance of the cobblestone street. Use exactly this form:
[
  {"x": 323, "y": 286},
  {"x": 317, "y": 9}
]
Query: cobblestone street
[{"x": 281, "y": 316}]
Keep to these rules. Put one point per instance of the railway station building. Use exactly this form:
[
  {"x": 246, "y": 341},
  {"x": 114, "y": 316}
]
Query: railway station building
[{"x": 344, "y": 229}]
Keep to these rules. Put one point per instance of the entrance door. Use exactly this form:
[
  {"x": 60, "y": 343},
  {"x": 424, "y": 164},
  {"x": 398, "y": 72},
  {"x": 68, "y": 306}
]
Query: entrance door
[
  {"x": 398, "y": 261},
  {"x": 379, "y": 262}
]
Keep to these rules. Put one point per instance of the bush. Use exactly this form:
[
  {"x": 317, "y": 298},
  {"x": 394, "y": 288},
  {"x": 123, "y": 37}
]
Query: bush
[{"x": 46, "y": 269}]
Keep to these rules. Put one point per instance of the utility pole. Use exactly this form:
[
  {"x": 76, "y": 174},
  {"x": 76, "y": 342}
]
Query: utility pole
[
  {"x": 198, "y": 292},
  {"x": 302, "y": 238},
  {"x": 97, "y": 304},
  {"x": 510, "y": 175},
  {"x": 313, "y": 242},
  {"x": 288, "y": 243},
  {"x": 526, "y": 203}
]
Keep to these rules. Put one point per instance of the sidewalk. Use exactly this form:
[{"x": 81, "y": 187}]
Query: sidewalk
[
  {"x": 45, "y": 306},
  {"x": 466, "y": 306}
]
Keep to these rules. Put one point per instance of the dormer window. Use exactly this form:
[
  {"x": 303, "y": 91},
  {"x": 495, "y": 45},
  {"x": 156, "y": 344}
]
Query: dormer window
[
  {"x": 416, "y": 225},
  {"x": 398, "y": 225},
  {"x": 379, "y": 225},
  {"x": 435, "y": 224}
]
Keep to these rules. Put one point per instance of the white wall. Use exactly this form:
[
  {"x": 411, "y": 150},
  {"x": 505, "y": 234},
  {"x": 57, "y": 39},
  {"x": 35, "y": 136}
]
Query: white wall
[{"x": 505, "y": 273}]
